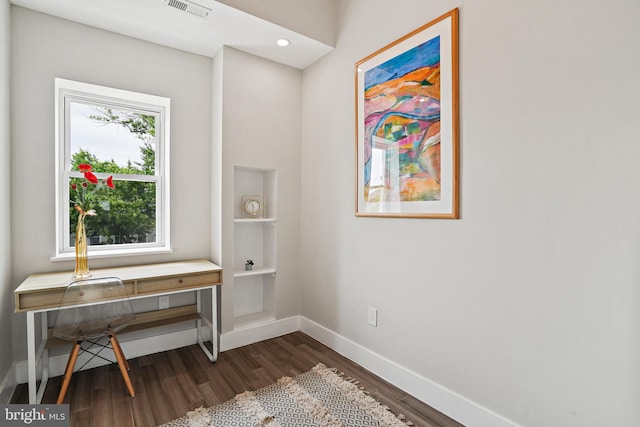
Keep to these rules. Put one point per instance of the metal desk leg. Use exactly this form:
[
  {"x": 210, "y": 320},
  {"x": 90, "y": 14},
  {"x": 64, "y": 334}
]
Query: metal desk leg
[
  {"x": 214, "y": 323},
  {"x": 33, "y": 357},
  {"x": 43, "y": 354}
]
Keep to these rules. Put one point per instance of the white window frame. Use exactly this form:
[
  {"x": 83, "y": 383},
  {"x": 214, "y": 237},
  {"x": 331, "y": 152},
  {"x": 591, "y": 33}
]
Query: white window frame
[{"x": 67, "y": 91}]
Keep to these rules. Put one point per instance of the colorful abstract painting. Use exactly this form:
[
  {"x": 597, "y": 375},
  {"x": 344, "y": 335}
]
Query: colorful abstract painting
[
  {"x": 407, "y": 163},
  {"x": 402, "y": 119}
]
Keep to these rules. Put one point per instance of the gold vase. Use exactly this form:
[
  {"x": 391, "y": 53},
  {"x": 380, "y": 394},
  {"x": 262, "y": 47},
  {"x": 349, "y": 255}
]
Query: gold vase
[{"x": 82, "y": 260}]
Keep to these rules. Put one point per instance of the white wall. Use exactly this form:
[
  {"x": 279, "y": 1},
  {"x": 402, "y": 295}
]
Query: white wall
[
  {"x": 6, "y": 288},
  {"x": 261, "y": 128},
  {"x": 529, "y": 304},
  {"x": 44, "y": 47}
]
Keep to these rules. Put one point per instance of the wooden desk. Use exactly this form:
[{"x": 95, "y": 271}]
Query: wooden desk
[{"x": 41, "y": 293}]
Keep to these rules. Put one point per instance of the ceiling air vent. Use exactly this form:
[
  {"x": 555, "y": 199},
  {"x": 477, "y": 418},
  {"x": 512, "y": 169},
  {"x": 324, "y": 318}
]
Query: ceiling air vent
[{"x": 189, "y": 7}]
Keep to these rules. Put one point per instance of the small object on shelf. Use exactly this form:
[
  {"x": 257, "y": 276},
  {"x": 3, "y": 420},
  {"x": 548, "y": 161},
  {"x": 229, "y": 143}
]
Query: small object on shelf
[
  {"x": 248, "y": 265},
  {"x": 252, "y": 206}
]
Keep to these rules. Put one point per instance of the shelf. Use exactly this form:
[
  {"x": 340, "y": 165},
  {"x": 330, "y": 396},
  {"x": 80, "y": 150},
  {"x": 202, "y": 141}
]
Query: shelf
[
  {"x": 254, "y": 239},
  {"x": 146, "y": 320},
  {"x": 254, "y": 220},
  {"x": 253, "y": 319},
  {"x": 254, "y": 272}
]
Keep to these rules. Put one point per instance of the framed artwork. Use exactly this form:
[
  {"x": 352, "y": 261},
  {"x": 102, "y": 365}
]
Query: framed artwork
[{"x": 407, "y": 125}]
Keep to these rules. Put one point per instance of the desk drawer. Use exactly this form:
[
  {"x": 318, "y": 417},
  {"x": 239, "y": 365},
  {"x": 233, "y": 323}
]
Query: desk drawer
[
  {"x": 151, "y": 286},
  {"x": 36, "y": 300},
  {"x": 51, "y": 298}
]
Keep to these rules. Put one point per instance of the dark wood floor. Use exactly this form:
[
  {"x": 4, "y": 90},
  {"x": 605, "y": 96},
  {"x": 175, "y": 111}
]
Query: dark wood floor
[{"x": 171, "y": 383}]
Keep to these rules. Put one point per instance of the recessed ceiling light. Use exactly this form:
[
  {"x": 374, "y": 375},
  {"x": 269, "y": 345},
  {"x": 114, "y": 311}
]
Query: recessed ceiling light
[{"x": 283, "y": 42}]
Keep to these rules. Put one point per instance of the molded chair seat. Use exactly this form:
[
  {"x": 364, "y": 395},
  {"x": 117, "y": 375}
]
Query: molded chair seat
[{"x": 91, "y": 309}]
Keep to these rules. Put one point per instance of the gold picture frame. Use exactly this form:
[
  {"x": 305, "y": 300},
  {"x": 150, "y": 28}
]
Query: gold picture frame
[{"x": 407, "y": 125}]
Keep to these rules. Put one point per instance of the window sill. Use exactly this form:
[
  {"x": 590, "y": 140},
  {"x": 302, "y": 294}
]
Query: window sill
[{"x": 69, "y": 256}]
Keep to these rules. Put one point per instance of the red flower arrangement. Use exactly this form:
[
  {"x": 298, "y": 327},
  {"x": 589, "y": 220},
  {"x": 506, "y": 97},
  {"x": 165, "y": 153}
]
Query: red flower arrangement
[{"x": 83, "y": 194}]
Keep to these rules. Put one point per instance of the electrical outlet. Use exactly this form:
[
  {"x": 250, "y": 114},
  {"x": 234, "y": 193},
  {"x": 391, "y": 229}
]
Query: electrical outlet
[
  {"x": 163, "y": 302},
  {"x": 373, "y": 316}
]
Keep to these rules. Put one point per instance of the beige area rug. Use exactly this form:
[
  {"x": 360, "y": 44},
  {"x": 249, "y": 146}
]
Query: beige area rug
[{"x": 319, "y": 397}]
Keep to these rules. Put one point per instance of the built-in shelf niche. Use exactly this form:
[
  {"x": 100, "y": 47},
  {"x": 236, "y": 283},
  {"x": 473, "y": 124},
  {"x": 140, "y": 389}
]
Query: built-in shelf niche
[
  {"x": 255, "y": 239},
  {"x": 253, "y": 299},
  {"x": 254, "y": 181}
]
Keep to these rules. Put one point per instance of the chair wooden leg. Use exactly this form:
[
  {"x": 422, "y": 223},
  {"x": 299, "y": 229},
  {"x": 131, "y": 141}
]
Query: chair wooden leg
[
  {"x": 119, "y": 349},
  {"x": 122, "y": 364},
  {"x": 71, "y": 363}
]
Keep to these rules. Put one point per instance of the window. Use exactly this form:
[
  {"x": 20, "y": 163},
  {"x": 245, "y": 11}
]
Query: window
[{"x": 124, "y": 135}]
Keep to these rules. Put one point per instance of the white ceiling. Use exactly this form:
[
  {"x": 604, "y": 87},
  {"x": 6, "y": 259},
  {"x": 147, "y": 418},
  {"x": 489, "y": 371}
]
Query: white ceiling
[{"x": 154, "y": 21}]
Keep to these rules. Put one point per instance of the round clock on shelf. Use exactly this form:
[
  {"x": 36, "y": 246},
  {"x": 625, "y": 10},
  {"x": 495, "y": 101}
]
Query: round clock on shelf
[{"x": 252, "y": 206}]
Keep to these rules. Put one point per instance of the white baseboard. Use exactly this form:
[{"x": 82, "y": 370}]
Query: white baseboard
[
  {"x": 8, "y": 385},
  {"x": 444, "y": 400}
]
